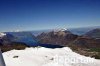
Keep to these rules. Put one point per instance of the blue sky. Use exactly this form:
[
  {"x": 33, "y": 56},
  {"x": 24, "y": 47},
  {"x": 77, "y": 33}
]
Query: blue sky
[{"x": 48, "y": 14}]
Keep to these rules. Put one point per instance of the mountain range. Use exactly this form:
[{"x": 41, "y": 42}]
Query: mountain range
[{"x": 87, "y": 43}]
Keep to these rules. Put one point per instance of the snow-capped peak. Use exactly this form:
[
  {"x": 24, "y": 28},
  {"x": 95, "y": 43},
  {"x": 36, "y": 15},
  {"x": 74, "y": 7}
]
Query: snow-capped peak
[
  {"x": 60, "y": 29},
  {"x": 64, "y": 29},
  {"x": 2, "y": 34}
]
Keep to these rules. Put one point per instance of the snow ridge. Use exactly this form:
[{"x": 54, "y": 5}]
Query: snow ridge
[{"x": 47, "y": 57}]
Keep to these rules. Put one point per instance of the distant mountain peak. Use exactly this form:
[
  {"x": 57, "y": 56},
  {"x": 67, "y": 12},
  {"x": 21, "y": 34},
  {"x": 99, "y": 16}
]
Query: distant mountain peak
[
  {"x": 2, "y": 34},
  {"x": 64, "y": 29},
  {"x": 60, "y": 29},
  {"x": 95, "y": 33}
]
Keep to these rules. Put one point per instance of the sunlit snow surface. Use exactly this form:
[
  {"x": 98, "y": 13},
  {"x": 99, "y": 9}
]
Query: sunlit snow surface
[
  {"x": 47, "y": 57},
  {"x": 2, "y": 34}
]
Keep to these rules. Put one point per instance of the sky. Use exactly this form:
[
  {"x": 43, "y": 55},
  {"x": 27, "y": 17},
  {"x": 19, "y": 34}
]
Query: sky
[{"x": 48, "y": 14}]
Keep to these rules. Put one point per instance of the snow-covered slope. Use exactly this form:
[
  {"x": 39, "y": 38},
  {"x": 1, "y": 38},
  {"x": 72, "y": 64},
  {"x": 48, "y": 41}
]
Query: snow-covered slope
[
  {"x": 47, "y": 57},
  {"x": 2, "y": 34}
]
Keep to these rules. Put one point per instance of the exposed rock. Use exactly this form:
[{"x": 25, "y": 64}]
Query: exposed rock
[
  {"x": 80, "y": 44},
  {"x": 95, "y": 33},
  {"x": 15, "y": 57},
  {"x": 87, "y": 42},
  {"x": 13, "y": 45},
  {"x": 57, "y": 37}
]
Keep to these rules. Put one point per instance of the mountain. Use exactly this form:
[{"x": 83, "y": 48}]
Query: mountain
[
  {"x": 24, "y": 37},
  {"x": 87, "y": 42},
  {"x": 1, "y": 36},
  {"x": 59, "y": 37},
  {"x": 38, "y": 32},
  {"x": 95, "y": 33},
  {"x": 16, "y": 40},
  {"x": 13, "y": 45},
  {"x": 84, "y": 45},
  {"x": 66, "y": 37},
  {"x": 8, "y": 42},
  {"x": 82, "y": 30},
  {"x": 77, "y": 31}
]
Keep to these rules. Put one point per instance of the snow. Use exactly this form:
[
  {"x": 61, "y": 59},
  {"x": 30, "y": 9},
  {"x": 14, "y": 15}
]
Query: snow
[
  {"x": 41, "y": 56},
  {"x": 64, "y": 29},
  {"x": 60, "y": 29},
  {"x": 2, "y": 34}
]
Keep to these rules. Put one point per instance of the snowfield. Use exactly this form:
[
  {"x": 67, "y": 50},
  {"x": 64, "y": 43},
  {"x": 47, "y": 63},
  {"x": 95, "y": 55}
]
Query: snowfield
[{"x": 47, "y": 57}]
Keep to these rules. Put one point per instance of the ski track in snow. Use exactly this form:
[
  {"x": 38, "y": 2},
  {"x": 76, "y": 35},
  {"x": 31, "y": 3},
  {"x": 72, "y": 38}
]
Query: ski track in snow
[{"x": 47, "y": 57}]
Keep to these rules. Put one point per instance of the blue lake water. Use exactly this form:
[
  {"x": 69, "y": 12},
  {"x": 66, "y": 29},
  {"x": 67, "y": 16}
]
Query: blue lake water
[
  {"x": 29, "y": 39},
  {"x": 50, "y": 46}
]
